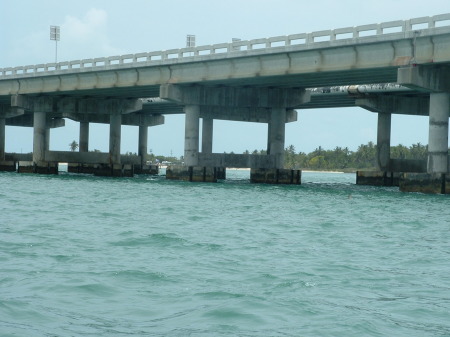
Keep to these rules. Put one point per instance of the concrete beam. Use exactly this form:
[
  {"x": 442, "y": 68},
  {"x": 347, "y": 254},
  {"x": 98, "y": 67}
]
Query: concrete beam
[
  {"x": 23, "y": 120},
  {"x": 76, "y": 105},
  {"x": 19, "y": 156},
  {"x": 408, "y": 165},
  {"x": 77, "y": 157},
  {"x": 425, "y": 78},
  {"x": 54, "y": 123},
  {"x": 86, "y": 157},
  {"x": 239, "y": 114},
  {"x": 108, "y": 106},
  {"x": 33, "y": 103},
  {"x": 250, "y": 97},
  {"x": 27, "y": 121},
  {"x": 6, "y": 111},
  {"x": 237, "y": 160},
  {"x": 129, "y": 119},
  {"x": 396, "y": 104}
]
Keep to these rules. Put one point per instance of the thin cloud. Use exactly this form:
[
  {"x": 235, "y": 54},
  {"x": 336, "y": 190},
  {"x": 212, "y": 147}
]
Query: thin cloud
[
  {"x": 81, "y": 37},
  {"x": 87, "y": 36}
]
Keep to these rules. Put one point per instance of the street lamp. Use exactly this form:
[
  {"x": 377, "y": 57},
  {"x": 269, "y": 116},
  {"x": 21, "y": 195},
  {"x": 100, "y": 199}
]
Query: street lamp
[
  {"x": 55, "y": 36},
  {"x": 190, "y": 41}
]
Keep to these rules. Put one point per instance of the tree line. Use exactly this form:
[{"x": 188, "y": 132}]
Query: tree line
[
  {"x": 340, "y": 158},
  {"x": 343, "y": 159}
]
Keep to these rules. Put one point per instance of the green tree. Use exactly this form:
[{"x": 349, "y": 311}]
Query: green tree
[
  {"x": 290, "y": 157},
  {"x": 400, "y": 151},
  {"x": 73, "y": 146},
  {"x": 318, "y": 163},
  {"x": 418, "y": 151}
]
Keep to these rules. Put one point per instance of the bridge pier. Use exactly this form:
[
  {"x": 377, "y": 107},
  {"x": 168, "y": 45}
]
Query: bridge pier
[
  {"x": 438, "y": 133},
  {"x": 4, "y": 164},
  {"x": 435, "y": 80},
  {"x": 2, "y": 138},
  {"x": 39, "y": 137},
  {"x": 115, "y": 167},
  {"x": 389, "y": 171},
  {"x": 83, "y": 145},
  {"x": 267, "y": 105},
  {"x": 142, "y": 144},
  {"x": 143, "y": 168},
  {"x": 41, "y": 142},
  {"x": 191, "y": 134},
  {"x": 276, "y": 139},
  {"x": 207, "y": 134},
  {"x": 384, "y": 176},
  {"x": 437, "y": 178},
  {"x": 207, "y": 144}
]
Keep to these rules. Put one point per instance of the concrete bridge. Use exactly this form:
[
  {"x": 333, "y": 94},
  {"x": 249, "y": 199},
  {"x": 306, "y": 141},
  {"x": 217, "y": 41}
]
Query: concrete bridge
[{"x": 262, "y": 80}]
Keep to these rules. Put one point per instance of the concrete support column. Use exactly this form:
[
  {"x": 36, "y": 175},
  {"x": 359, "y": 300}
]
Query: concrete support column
[
  {"x": 84, "y": 137},
  {"x": 39, "y": 133},
  {"x": 2, "y": 138},
  {"x": 191, "y": 135},
  {"x": 207, "y": 135},
  {"x": 143, "y": 140},
  {"x": 438, "y": 133},
  {"x": 384, "y": 141},
  {"x": 114, "y": 137},
  {"x": 47, "y": 139},
  {"x": 277, "y": 135}
]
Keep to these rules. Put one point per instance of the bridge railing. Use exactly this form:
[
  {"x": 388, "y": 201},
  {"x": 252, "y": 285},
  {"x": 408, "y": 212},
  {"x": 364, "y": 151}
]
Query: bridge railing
[{"x": 307, "y": 40}]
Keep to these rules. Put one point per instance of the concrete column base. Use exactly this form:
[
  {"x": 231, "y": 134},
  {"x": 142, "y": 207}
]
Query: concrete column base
[
  {"x": 275, "y": 176},
  {"x": 42, "y": 168},
  {"x": 146, "y": 169},
  {"x": 115, "y": 170},
  {"x": 192, "y": 173},
  {"x": 82, "y": 168},
  {"x": 431, "y": 183},
  {"x": 8, "y": 166},
  {"x": 221, "y": 173},
  {"x": 377, "y": 178}
]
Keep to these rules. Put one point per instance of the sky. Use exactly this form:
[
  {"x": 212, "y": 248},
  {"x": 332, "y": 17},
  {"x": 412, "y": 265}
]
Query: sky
[{"x": 100, "y": 28}]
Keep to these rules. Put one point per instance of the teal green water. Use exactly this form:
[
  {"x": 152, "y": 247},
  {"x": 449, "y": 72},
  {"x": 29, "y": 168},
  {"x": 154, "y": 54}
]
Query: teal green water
[{"x": 88, "y": 256}]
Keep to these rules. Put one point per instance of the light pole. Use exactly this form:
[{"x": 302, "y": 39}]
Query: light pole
[
  {"x": 190, "y": 41},
  {"x": 55, "y": 36}
]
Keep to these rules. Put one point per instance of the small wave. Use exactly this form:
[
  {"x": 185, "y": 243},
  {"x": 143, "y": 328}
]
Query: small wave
[
  {"x": 149, "y": 240},
  {"x": 139, "y": 276},
  {"x": 219, "y": 295},
  {"x": 96, "y": 289},
  {"x": 232, "y": 315}
]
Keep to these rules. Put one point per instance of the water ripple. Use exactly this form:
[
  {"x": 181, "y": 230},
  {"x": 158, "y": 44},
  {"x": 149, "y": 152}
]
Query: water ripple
[{"x": 96, "y": 256}]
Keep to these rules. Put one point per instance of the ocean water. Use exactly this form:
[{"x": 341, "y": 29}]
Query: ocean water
[{"x": 90, "y": 256}]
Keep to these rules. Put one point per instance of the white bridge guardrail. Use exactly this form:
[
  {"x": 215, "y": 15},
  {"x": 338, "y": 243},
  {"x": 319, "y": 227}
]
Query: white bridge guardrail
[{"x": 229, "y": 49}]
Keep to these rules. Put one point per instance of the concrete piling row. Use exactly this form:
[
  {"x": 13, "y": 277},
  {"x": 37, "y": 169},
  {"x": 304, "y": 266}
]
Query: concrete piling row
[{"x": 257, "y": 104}]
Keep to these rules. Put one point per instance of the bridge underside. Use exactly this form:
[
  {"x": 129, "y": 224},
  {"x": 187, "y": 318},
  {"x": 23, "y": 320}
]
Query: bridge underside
[{"x": 266, "y": 85}]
